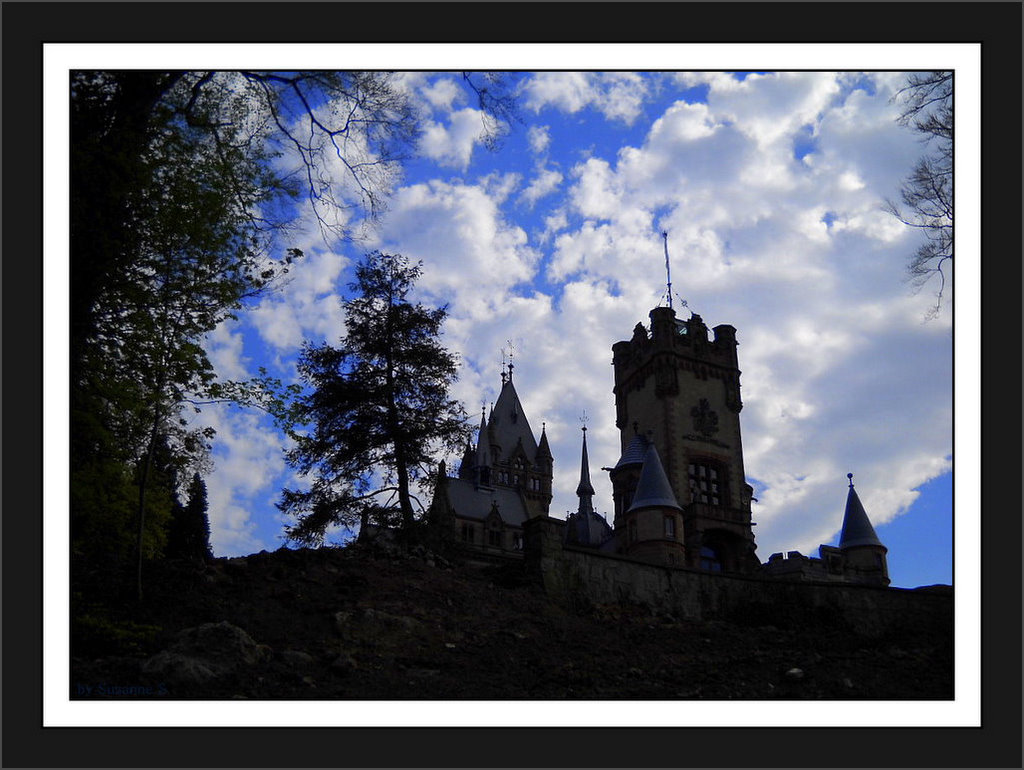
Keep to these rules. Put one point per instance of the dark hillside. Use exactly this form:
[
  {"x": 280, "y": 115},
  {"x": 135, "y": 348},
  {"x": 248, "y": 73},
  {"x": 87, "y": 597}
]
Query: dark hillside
[{"x": 374, "y": 624}]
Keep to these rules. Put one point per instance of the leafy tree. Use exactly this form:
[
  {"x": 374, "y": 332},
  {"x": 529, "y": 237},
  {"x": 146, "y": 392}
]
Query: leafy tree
[
  {"x": 927, "y": 194},
  {"x": 183, "y": 185},
  {"x": 378, "y": 407}
]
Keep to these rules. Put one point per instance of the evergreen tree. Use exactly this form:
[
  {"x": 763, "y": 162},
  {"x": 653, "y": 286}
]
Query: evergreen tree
[
  {"x": 378, "y": 408},
  {"x": 189, "y": 535}
]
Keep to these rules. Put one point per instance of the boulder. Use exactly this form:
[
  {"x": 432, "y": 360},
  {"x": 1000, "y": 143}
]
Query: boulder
[{"x": 206, "y": 652}]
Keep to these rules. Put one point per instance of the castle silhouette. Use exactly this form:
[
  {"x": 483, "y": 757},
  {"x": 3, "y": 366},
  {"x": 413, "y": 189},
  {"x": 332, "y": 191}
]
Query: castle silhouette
[{"x": 680, "y": 494}]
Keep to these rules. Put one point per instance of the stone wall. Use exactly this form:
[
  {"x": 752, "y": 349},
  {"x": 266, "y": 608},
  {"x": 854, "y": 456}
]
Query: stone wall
[{"x": 577, "y": 577}]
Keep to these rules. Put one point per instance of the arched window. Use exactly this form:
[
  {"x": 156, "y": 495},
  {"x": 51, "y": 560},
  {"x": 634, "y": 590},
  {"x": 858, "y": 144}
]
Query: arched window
[{"x": 709, "y": 559}]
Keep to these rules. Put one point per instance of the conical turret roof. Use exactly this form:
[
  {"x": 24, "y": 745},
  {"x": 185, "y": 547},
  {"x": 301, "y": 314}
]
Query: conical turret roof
[
  {"x": 635, "y": 452},
  {"x": 653, "y": 489},
  {"x": 857, "y": 529}
]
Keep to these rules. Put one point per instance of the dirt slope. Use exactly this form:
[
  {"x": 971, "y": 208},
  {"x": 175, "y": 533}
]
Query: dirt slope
[{"x": 358, "y": 624}]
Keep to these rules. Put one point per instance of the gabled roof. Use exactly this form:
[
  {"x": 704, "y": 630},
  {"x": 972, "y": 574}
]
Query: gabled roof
[
  {"x": 653, "y": 489},
  {"x": 857, "y": 529},
  {"x": 508, "y": 424},
  {"x": 468, "y": 501}
]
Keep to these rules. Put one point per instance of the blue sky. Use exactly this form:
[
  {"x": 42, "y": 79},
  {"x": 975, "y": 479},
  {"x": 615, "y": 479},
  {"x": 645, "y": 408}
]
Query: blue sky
[{"x": 770, "y": 187}]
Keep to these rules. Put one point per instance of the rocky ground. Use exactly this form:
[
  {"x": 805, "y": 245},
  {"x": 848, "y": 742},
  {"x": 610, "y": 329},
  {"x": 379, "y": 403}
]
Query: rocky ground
[{"x": 368, "y": 624}]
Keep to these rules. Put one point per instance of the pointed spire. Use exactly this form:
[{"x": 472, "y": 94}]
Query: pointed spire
[
  {"x": 653, "y": 489},
  {"x": 585, "y": 490},
  {"x": 483, "y": 453},
  {"x": 857, "y": 529},
  {"x": 585, "y": 526},
  {"x": 468, "y": 461},
  {"x": 543, "y": 450}
]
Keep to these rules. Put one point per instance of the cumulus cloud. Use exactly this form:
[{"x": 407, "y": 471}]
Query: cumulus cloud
[
  {"x": 451, "y": 145},
  {"x": 545, "y": 183},
  {"x": 616, "y": 95},
  {"x": 248, "y": 461},
  {"x": 474, "y": 253},
  {"x": 790, "y": 247},
  {"x": 305, "y": 308},
  {"x": 539, "y": 138}
]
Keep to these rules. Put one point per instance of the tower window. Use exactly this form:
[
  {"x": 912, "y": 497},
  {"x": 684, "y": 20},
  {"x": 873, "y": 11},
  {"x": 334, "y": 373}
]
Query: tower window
[
  {"x": 670, "y": 527},
  {"x": 706, "y": 483},
  {"x": 709, "y": 559}
]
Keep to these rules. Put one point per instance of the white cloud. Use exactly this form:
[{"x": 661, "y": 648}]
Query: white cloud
[
  {"x": 442, "y": 94},
  {"x": 248, "y": 461},
  {"x": 306, "y": 307},
  {"x": 539, "y": 138},
  {"x": 839, "y": 373},
  {"x": 473, "y": 253},
  {"x": 545, "y": 183},
  {"x": 452, "y": 146},
  {"x": 616, "y": 95}
]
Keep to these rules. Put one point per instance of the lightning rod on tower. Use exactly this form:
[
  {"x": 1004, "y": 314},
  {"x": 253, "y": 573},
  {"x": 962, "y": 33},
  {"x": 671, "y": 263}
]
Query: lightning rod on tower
[{"x": 668, "y": 270}]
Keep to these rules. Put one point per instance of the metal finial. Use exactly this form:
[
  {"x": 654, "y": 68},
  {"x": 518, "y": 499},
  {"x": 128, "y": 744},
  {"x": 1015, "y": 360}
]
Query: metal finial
[
  {"x": 850, "y": 477},
  {"x": 583, "y": 420},
  {"x": 511, "y": 352}
]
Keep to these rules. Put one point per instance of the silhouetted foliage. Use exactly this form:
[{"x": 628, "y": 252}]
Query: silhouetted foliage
[
  {"x": 184, "y": 186},
  {"x": 378, "y": 408},
  {"x": 927, "y": 194},
  {"x": 189, "y": 534}
]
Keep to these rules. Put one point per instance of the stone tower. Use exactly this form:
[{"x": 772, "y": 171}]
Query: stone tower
[{"x": 679, "y": 390}]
